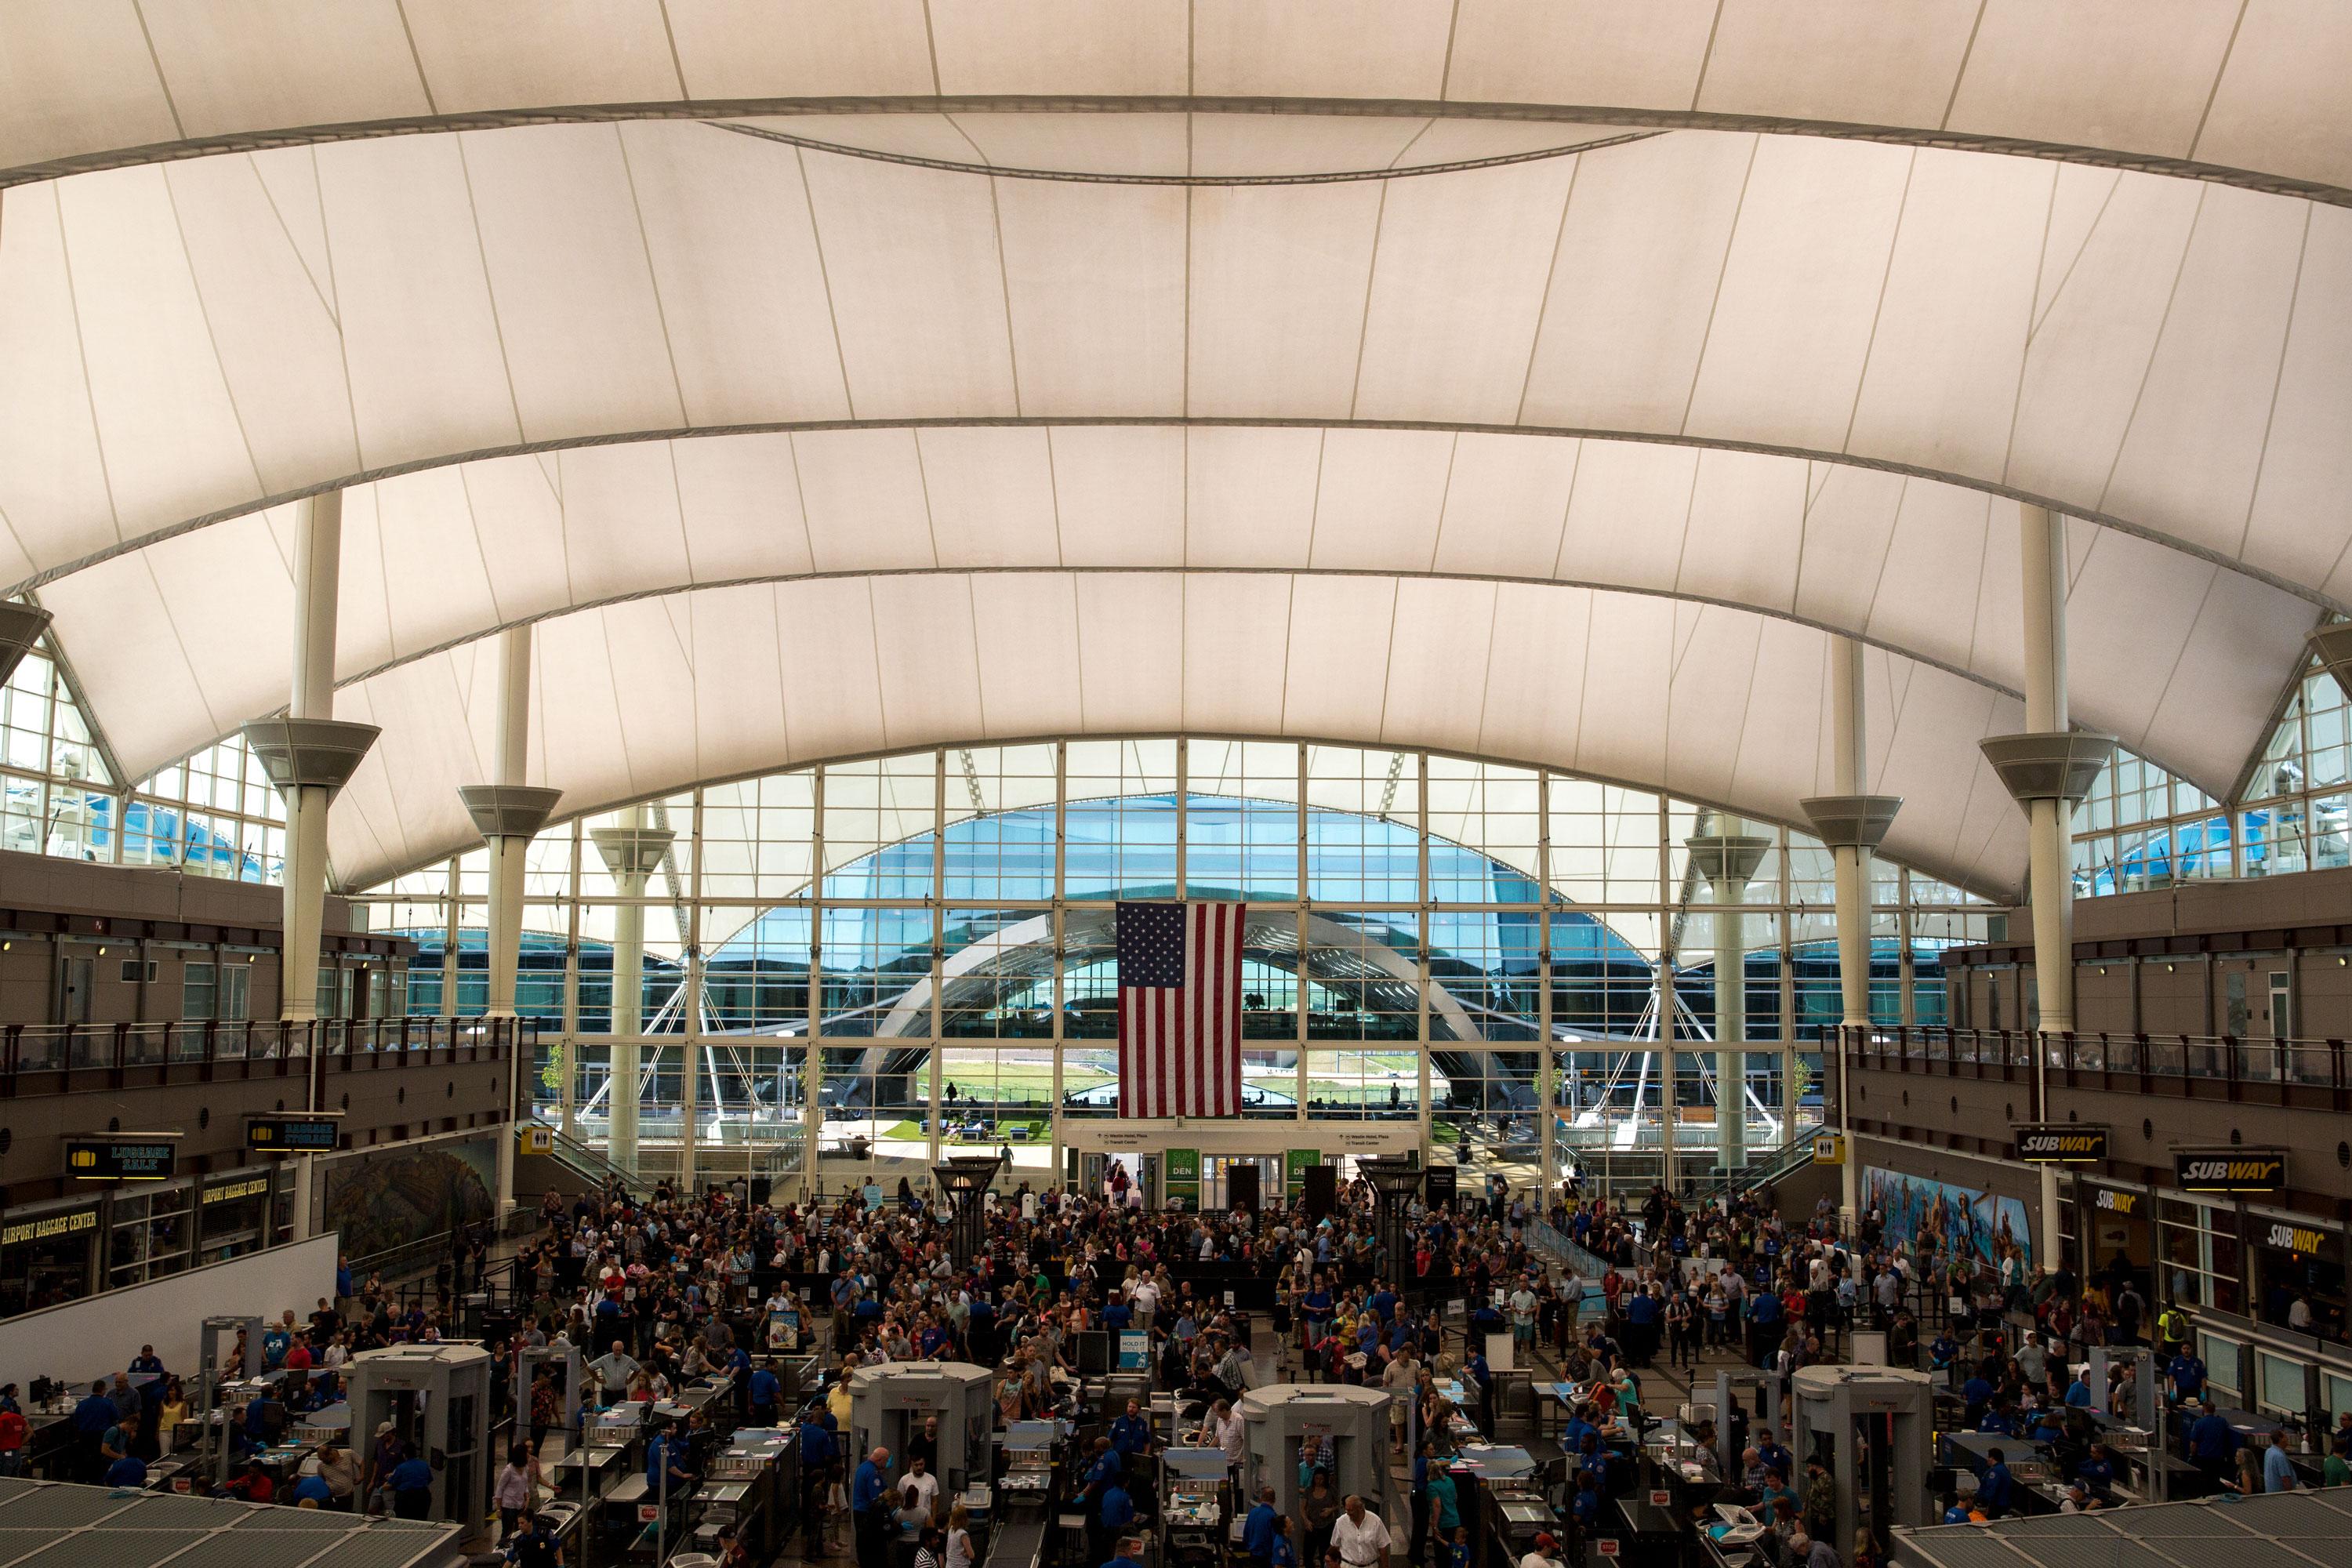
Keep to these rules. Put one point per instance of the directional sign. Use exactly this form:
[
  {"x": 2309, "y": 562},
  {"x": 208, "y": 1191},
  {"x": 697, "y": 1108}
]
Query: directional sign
[
  {"x": 292, "y": 1134},
  {"x": 123, "y": 1157}
]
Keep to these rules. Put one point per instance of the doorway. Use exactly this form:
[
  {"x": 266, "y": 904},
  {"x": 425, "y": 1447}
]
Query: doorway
[
  {"x": 1260, "y": 1175},
  {"x": 73, "y": 991}
]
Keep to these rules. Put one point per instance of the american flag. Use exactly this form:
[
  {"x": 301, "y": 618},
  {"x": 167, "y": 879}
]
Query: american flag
[{"x": 1179, "y": 1009}]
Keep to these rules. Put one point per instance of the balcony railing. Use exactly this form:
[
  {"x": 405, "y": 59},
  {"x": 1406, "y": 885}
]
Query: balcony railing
[
  {"x": 2220, "y": 1066},
  {"x": 34, "y": 1048}
]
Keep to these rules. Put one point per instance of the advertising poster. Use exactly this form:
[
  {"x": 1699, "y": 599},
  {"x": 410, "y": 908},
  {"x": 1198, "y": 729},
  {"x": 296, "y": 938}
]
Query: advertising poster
[
  {"x": 1182, "y": 1181},
  {"x": 1958, "y": 1219}
]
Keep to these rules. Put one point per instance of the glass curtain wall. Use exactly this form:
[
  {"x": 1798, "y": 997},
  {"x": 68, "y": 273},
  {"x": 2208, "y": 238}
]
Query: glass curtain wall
[{"x": 941, "y": 925}]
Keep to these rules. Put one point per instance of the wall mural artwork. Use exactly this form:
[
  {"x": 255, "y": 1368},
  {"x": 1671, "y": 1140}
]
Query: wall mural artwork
[
  {"x": 382, "y": 1201},
  {"x": 1913, "y": 1209}
]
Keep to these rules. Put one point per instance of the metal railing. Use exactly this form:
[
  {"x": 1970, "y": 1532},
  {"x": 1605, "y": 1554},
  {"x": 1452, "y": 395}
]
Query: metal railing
[
  {"x": 2099, "y": 1059},
  {"x": 1764, "y": 1170},
  {"x": 76, "y": 1047}
]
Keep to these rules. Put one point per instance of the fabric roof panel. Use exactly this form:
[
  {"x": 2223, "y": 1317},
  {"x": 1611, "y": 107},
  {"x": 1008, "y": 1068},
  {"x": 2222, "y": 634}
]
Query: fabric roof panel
[
  {"x": 1118, "y": 495},
  {"x": 710, "y": 206},
  {"x": 1125, "y": 47},
  {"x": 78, "y": 74},
  {"x": 1319, "y": 48},
  {"x": 1634, "y": 282},
  {"x": 741, "y": 501},
  {"x": 562, "y": 245},
  {"x": 1505, "y": 505},
  {"x": 534, "y": 53},
  {"x": 2116, "y": 73},
  {"x": 1458, "y": 287},
  {"x": 311, "y": 64},
  {"x": 166, "y": 423},
  {"x": 1379, "y": 495},
  {"x": 1853, "y": 61},
  {"x": 1551, "y": 680},
  {"x": 1279, "y": 279},
  {"x": 267, "y": 297},
  {"x": 1250, "y": 497},
  {"x": 913, "y": 271},
  {"x": 1094, "y": 279},
  {"x": 818, "y": 48},
  {"x": 1800, "y": 291},
  {"x": 420, "y": 335},
  {"x": 988, "y": 494}
]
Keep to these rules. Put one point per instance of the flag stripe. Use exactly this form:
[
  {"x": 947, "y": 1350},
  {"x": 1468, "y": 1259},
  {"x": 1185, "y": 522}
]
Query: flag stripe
[{"x": 1179, "y": 1006}]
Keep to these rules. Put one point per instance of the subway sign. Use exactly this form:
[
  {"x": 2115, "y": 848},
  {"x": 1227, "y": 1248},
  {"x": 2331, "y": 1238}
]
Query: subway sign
[
  {"x": 2296, "y": 1238},
  {"x": 291, "y": 1134},
  {"x": 2062, "y": 1144},
  {"x": 2228, "y": 1170},
  {"x": 132, "y": 1157}
]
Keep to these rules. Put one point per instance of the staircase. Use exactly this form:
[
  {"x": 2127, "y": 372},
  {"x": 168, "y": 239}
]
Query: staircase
[
  {"x": 571, "y": 1165},
  {"x": 1763, "y": 1170}
]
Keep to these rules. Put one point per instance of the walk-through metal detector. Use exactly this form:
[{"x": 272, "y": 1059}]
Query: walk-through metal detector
[
  {"x": 215, "y": 1341},
  {"x": 889, "y": 1403},
  {"x": 438, "y": 1398},
  {"x": 1353, "y": 1423},
  {"x": 563, "y": 1363},
  {"x": 1749, "y": 1402},
  {"x": 1871, "y": 1428},
  {"x": 2135, "y": 1403}
]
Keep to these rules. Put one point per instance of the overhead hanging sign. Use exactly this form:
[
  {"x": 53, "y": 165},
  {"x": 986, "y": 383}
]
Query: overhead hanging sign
[
  {"x": 2247, "y": 1172},
  {"x": 123, "y": 1157},
  {"x": 292, "y": 1134},
  {"x": 2059, "y": 1144},
  {"x": 1828, "y": 1149},
  {"x": 1180, "y": 1179}
]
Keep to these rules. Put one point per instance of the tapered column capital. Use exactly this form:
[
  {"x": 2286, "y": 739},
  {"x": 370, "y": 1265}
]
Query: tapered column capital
[
  {"x": 309, "y": 753},
  {"x": 509, "y": 811},
  {"x": 21, "y": 627},
  {"x": 632, "y": 851},
  {"x": 2332, "y": 646},
  {"x": 1850, "y": 821},
  {"x": 1727, "y": 857},
  {"x": 2049, "y": 764}
]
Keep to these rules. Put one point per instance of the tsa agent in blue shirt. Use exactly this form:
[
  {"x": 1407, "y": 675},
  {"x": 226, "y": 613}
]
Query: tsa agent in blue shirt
[
  {"x": 1257, "y": 1529},
  {"x": 2188, "y": 1374},
  {"x": 766, "y": 1391},
  {"x": 2078, "y": 1393},
  {"x": 1997, "y": 1491},
  {"x": 1130, "y": 1434},
  {"x": 1117, "y": 1510},
  {"x": 131, "y": 1471}
]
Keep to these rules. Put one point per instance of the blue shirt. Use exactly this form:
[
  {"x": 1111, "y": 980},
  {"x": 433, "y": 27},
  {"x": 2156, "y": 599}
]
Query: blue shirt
[
  {"x": 816, "y": 1444},
  {"x": 2278, "y": 1471},
  {"x": 1117, "y": 1512},
  {"x": 866, "y": 1488},
  {"x": 131, "y": 1472},
  {"x": 661, "y": 1454},
  {"x": 314, "y": 1487},
  {"x": 1131, "y": 1435},
  {"x": 1642, "y": 1309},
  {"x": 1765, "y": 1311},
  {"x": 412, "y": 1476},
  {"x": 94, "y": 1415},
  {"x": 2212, "y": 1439},
  {"x": 1257, "y": 1529},
  {"x": 1285, "y": 1554},
  {"x": 2188, "y": 1376},
  {"x": 1477, "y": 1369},
  {"x": 2078, "y": 1394},
  {"x": 765, "y": 1389},
  {"x": 1997, "y": 1491}
]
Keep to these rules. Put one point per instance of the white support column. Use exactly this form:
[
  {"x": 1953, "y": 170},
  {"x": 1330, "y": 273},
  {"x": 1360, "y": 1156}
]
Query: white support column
[
  {"x": 813, "y": 1063},
  {"x": 632, "y": 852},
  {"x": 1421, "y": 968},
  {"x": 933, "y": 1116},
  {"x": 1547, "y": 1089},
  {"x": 509, "y": 813},
  {"x": 310, "y": 757},
  {"x": 569, "y": 1094},
  {"x": 1061, "y": 962},
  {"x": 2048, "y": 769},
  {"x": 1727, "y": 857},
  {"x": 1852, "y": 823},
  {"x": 694, "y": 1050}
]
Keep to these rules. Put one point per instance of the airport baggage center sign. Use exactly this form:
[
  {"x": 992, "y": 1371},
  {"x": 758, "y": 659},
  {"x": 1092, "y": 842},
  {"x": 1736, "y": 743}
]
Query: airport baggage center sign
[
  {"x": 2251, "y": 1172},
  {"x": 2059, "y": 1144}
]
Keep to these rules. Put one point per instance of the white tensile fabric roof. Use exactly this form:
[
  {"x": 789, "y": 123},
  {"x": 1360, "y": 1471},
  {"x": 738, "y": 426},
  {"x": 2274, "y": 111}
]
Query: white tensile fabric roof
[{"x": 802, "y": 435}]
